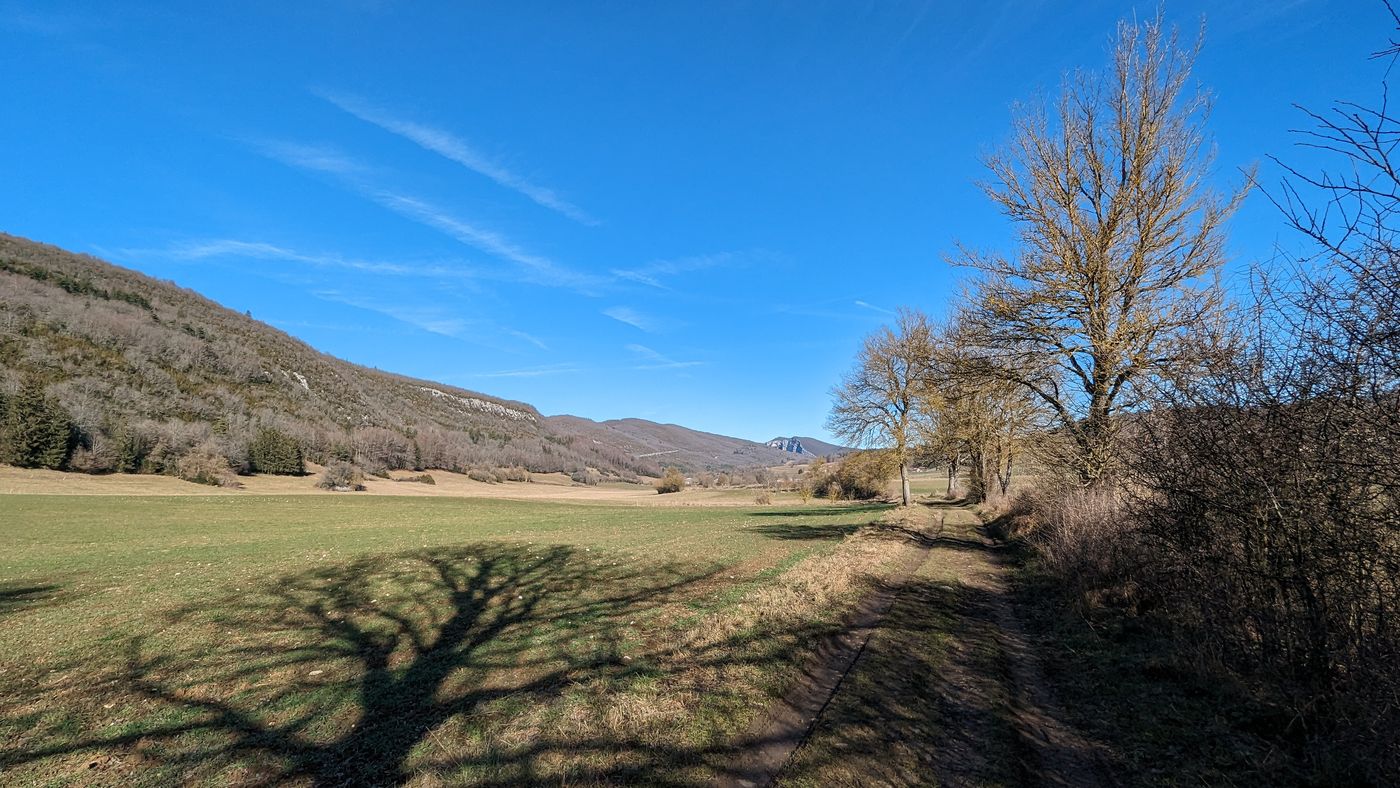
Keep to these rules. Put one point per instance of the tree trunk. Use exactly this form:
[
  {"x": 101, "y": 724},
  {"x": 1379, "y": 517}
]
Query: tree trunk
[
  {"x": 904, "y": 481},
  {"x": 952, "y": 478},
  {"x": 1096, "y": 440},
  {"x": 1006, "y": 475},
  {"x": 977, "y": 486}
]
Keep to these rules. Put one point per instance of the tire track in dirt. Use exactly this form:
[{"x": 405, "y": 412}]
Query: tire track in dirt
[
  {"x": 1053, "y": 752},
  {"x": 776, "y": 734},
  {"x": 1046, "y": 750}
]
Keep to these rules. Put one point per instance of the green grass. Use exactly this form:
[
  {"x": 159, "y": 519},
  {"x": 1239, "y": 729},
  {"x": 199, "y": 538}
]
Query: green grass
[
  {"x": 933, "y": 484},
  {"x": 218, "y": 640}
]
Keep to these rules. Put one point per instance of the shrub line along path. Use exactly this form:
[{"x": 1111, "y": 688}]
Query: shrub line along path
[{"x": 809, "y": 731}]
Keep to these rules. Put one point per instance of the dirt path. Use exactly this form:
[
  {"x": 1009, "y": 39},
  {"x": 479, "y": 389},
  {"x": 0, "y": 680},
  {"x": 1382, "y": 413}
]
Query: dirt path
[
  {"x": 768, "y": 745},
  {"x": 932, "y": 684},
  {"x": 1053, "y": 752}
]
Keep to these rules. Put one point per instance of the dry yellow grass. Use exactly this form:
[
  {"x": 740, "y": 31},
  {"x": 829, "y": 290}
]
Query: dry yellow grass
[
  {"x": 721, "y": 661},
  {"x": 552, "y": 487}
]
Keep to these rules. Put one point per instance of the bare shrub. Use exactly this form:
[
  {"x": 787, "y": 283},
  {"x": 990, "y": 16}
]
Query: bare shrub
[
  {"x": 96, "y": 453},
  {"x": 1084, "y": 537},
  {"x": 587, "y": 476},
  {"x": 513, "y": 474},
  {"x": 859, "y": 476},
  {"x": 206, "y": 465},
  {"x": 1273, "y": 481},
  {"x": 672, "y": 481},
  {"x": 341, "y": 476},
  {"x": 763, "y": 499},
  {"x": 484, "y": 475},
  {"x": 1013, "y": 516}
]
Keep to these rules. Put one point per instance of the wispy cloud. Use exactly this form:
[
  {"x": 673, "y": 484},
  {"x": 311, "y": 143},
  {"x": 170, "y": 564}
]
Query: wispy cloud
[
  {"x": 217, "y": 248},
  {"x": 456, "y": 149},
  {"x": 429, "y": 319},
  {"x": 532, "y": 372},
  {"x": 545, "y": 270},
  {"x": 432, "y": 319},
  {"x": 873, "y": 308},
  {"x": 655, "y": 273},
  {"x": 532, "y": 339},
  {"x": 318, "y": 158},
  {"x": 630, "y": 316},
  {"x": 653, "y": 360},
  {"x": 355, "y": 175}
]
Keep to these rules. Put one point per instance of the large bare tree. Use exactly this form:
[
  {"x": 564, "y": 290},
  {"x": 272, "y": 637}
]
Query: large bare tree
[
  {"x": 877, "y": 403},
  {"x": 1119, "y": 236}
]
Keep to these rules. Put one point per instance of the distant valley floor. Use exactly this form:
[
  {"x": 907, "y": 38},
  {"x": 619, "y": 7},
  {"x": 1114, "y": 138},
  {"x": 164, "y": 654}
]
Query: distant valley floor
[{"x": 544, "y": 487}]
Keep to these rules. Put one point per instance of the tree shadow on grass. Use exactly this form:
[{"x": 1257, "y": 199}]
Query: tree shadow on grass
[
  {"x": 819, "y": 532},
  {"x": 925, "y": 703},
  {"x": 14, "y": 598},
  {"x": 457, "y": 664},
  {"x": 878, "y": 529},
  {"x": 825, "y": 511}
]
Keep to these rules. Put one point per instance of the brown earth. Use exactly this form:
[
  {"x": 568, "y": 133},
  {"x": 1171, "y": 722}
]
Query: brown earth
[{"x": 931, "y": 684}]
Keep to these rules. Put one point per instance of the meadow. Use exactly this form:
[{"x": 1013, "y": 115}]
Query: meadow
[{"x": 315, "y": 640}]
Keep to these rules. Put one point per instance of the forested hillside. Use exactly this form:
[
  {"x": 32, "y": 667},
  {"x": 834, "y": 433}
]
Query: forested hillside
[{"x": 105, "y": 369}]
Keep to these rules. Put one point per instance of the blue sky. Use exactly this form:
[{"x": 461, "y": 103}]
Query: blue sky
[{"x": 684, "y": 212}]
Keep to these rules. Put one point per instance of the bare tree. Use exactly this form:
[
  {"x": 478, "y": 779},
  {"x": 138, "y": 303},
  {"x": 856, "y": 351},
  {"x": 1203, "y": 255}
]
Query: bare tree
[
  {"x": 939, "y": 437},
  {"x": 877, "y": 403},
  {"x": 1118, "y": 237},
  {"x": 984, "y": 422}
]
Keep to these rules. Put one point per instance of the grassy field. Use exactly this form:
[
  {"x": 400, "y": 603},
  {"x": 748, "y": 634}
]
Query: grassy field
[
  {"x": 319, "y": 640},
  {"x": 932, "y": 484}
]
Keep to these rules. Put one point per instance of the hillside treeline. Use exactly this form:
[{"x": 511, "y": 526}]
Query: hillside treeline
[
  {"x": 127, "y": 373},
  {"x": 1224, "y": 465}
]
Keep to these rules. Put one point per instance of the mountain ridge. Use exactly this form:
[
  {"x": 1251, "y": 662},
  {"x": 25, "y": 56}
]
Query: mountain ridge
[{"x": 126, "y": 354}]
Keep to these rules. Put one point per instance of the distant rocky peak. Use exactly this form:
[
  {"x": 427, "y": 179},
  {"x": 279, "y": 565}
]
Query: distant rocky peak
[{"x": 792, "y": 445}]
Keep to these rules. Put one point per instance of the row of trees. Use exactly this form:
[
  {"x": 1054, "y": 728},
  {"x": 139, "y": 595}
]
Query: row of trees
[
  {"x": 1118, "y": 237},
  {"x": 1230, "y": 460},
  {"x": 37, "y": 432},
  {"x": 921, "y": 393}
]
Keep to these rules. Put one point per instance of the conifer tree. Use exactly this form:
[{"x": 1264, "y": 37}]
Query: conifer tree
[
  {"x": 273, "y": 451},
  {"x": 36, "y": 432}
]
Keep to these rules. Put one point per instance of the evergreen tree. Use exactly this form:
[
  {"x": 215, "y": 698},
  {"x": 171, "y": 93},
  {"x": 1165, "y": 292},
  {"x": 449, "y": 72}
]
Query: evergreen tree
[
  {"x": 132, "y": 449},
  {"x": 272, "y": 451},
  {"x": 36, "y": 431}
]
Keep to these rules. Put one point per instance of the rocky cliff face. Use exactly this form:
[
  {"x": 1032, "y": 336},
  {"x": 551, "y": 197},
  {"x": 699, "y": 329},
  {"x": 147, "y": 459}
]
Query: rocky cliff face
[
  {"x": 791, "y": 445},
  {"x": 808, "y": 447}
]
